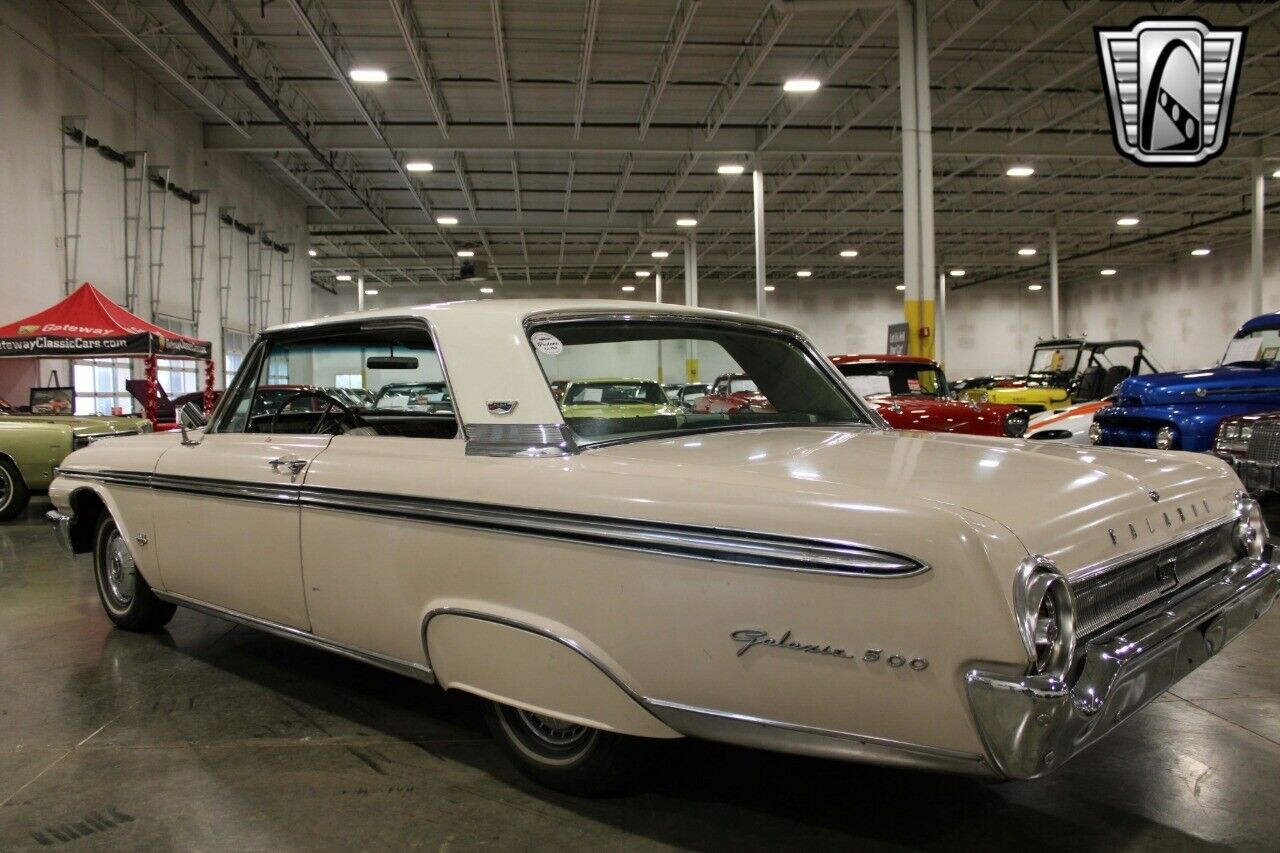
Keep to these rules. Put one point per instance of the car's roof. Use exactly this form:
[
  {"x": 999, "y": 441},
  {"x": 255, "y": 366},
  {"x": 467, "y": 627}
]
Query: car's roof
[
  {"x": 855, "y": 358},
  {"x": 1264, "y": 321}
]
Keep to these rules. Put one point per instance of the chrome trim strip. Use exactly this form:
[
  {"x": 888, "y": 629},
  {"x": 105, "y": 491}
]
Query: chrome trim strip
[
  {"x": 110, "y": 477},
  {"x": 419, "y": 671},
  {"x": 721, "y": 545},
  {"x": 530, "y": 440}
]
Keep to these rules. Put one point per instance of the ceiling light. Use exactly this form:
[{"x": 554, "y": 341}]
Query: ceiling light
[
  {"x": 1200, "y": 253},
  {"x": 849, "y": 253},
  {"x": 801, "y": 84},
  {"x": 1033, "y": 287},
  {"x": 901, "y": 287},
  {"x": 466, "y": 253},
  {"x": 659, "y": 254},
  {"x": 730, "y": 169},
  {"x": 804, "y": 273},
  {"x": 419, "y": 166},
  {"x": 957, "y": 273},
  {"x": 769, "y": 288},
  {"x": 1026, "y": 251},
  {"x": 486, "y": 290},
  {"x": 342, "y": 277},
  {"x": 628, "y": 288},
  {"x": 368, "y": 75},
  {"x": 1107, "y": 271},
  {"x": 369, "y": 291},
  {"x": 642, "y": 273},
  {"x": 311, "y": 252},
  {"x": 446, "y": 220},
  {"x": 686, "y": 222},
  {"x": 1276, "y": 173},
  {"x": 1128, "y": 221},
  {"x": 1020, "y": 171}
]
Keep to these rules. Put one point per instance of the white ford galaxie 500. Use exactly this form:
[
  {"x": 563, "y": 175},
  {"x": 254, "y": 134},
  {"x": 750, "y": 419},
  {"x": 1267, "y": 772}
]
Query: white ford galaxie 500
[{"x": 797, "y": 577}]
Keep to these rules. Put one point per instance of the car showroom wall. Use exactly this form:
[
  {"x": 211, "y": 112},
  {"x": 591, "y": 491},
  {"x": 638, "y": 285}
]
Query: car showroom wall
[{"x": 50, "y": 69}]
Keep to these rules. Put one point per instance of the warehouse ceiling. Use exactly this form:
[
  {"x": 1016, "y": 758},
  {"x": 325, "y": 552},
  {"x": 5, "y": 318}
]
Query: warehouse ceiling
[{"x": 566, "y": 137}]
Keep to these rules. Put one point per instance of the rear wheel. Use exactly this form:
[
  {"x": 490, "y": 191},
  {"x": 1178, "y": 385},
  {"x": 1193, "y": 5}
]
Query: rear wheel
[
  {"x": 14, "y": 496},
  {"x": 125, "y": 594},
  {"x": 566, "y": 756}
]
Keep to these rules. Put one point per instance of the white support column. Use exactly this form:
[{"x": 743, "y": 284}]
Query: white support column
[
  {"x": 1258, "y": 221},
  {"x": 940, "y": 339},
  {"x": 1055, "y": 306},
  {"x": 360, "y": 291},
  {"x": 919, "y": 266},
  {"x": 691, "y": 271},
  {"x": 757, "y": 194},
  {"x": 657, "y": 285}
]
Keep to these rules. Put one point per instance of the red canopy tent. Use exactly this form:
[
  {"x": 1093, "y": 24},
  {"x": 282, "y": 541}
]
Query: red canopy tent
[{"x": 89, "y": 325}]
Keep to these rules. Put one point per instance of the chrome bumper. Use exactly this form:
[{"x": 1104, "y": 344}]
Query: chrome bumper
[
  {"x": 1032, "y": 724},
  {"x": 61, "y": 529}
]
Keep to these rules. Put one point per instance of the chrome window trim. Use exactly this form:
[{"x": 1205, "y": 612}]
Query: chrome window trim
[
  {"x": 528, "y": 440},
  {"x": 753, "y": 549}
]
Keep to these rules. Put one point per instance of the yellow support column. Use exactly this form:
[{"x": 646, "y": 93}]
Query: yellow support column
[{"x": 919, "y": 315}]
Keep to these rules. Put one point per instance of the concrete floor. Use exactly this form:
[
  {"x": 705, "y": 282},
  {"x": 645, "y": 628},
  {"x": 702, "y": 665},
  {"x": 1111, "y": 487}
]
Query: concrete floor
[{"x": 215, "y": 737}]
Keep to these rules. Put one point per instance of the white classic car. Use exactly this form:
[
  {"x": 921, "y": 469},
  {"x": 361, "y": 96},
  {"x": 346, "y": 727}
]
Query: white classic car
[{"x": 799, "y": 579}]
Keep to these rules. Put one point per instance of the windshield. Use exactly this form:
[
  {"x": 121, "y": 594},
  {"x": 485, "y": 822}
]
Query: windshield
[
  {"x": 742, "y": 385},
  {"x": 1053, "y": 359},
  {"x": 1261, "y": 346},
  {"x": 898, "y": 378},
  {"x": 797, "y": 391}
]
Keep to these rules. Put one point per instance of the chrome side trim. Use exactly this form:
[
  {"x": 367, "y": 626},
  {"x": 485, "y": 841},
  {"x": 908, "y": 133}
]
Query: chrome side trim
[
  {"x": 721, "y": 545},
  {"x": 419, "y": 671},
  {"x": 529, "y": 440},
  {"x": 780, "y": 736},
  {"x": 109, "y": 477}
]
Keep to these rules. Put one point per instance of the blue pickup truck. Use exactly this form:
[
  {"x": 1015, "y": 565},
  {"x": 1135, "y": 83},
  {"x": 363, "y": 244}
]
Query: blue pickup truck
[{"x": 1181, "y": 411}]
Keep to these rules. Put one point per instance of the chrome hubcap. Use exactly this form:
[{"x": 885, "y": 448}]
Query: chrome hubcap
[
  {"x": 122, "y": 571},
  {"x": 552, "y": 731}
]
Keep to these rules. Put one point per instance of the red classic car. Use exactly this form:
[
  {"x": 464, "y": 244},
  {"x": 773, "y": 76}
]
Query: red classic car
[
  {"x": 911, "y": 392},
  {"x": 732, "y": 393}
]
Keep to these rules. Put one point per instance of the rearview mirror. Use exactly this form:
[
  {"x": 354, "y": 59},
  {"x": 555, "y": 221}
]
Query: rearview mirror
[{"x": 391, "y": 362}]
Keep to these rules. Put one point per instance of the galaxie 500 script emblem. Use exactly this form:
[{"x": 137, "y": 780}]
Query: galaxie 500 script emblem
[
  {"x": 1170, "y": 84},
  {"x": 752, "y": 637}
]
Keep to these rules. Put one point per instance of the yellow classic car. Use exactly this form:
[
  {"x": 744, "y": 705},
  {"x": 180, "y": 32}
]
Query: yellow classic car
[
  {"x": 616, "y": 398},
  {"x": 1063, "y": 371}
]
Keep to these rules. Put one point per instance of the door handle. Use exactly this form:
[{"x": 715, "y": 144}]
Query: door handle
[{"x": 294, "y": 466}]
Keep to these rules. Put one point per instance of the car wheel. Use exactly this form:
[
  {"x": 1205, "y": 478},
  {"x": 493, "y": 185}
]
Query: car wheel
[
  {"x": 125, "y": 594},
  {"x": 567, "y": 756},
  {"x": 13, "y": 491}
]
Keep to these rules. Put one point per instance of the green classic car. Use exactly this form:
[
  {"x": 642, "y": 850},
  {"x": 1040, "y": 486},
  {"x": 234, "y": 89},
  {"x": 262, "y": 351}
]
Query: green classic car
[
  {"x": 32, "y": 446},
  {"x": 615, "y": 398}
]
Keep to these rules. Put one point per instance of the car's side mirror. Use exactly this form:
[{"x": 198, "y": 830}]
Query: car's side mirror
[{"x": 191, "y": 417}]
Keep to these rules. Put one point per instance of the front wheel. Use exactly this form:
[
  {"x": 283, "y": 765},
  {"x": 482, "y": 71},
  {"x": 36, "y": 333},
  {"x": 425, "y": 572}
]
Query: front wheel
[
  {"x": 125, "y": 594},
  {"x": 566, "y": 756}
]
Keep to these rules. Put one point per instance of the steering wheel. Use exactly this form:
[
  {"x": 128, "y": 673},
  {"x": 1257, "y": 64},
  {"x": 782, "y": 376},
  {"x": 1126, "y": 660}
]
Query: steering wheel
[{"x": 330, "y": 404}]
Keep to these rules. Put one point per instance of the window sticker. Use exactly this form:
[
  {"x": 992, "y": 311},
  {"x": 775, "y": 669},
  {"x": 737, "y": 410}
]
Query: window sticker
[
  {"x": 546, "y": 343},
  {"x": 867, "y": 386}
]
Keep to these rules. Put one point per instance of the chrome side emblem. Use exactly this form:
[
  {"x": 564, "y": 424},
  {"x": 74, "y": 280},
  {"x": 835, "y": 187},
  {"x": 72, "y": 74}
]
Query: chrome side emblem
[
  {"x": 752, "y": 637},
  {"x": 1154, "y": 495},
  {"x": 1170, "y": 85},
  {"x": 141, "y": 539},
  {"x": 1112, "y": 533},
  {"x": 1133, "y": 532},
  {"x": 501, "y": 407},
  {"x": 1202, "y": 392}
]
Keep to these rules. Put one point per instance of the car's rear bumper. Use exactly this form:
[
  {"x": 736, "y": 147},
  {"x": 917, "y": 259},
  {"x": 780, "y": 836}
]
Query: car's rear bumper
[{"x": 1033, "y": 724}]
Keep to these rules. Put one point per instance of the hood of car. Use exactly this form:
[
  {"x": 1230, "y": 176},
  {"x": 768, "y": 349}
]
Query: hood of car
[
  {"x": 1076, "y": 505},
  {"x": 1236, "y": 383},
  {"x": 81, "y": 426}
]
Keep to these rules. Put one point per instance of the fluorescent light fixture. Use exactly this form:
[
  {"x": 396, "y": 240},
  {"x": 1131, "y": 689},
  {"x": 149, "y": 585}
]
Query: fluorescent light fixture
[
  {"x": 311, "y": 252},
  {"x": 956, "y": 273},
  {"x": 1276, "y": 173},
  {"x": 1020, "y": 171},
  {"x": 1107, "y": 271},
  {"x": 659, "y": 254},
  {"x": 801, "y": 84},
  {"x": 368, "y": 75},
  {"x": 849, "y": 253},
  {"x": 1128, "y": 221},
  {"x": 1200, "y": 253},
  {"x": 803, "y": 273},
  {"x": 901, "y": 287},
  {"x": 686, "y": 222},
  {"x": 342, "y": 277},
  {"x": 486, "y": 290},
  {"x": 466, "y": 253},
  {"x": 769, "y": 288},
  {"x": 1027, "y": 251},
  {"x": 1033, "y": 287},
  {"x": 642, "y": 273},
  {"x": 628, "y": 288},
  {"x": 370, "y": 291},
  {"x": 730, "y": 169},
  {"x": 446, "y": 220},
  {"x": 419, "y": 166}
]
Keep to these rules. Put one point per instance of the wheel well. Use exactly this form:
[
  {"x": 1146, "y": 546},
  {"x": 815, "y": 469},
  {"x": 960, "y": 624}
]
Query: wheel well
[{"x": 86, "y": 507}]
